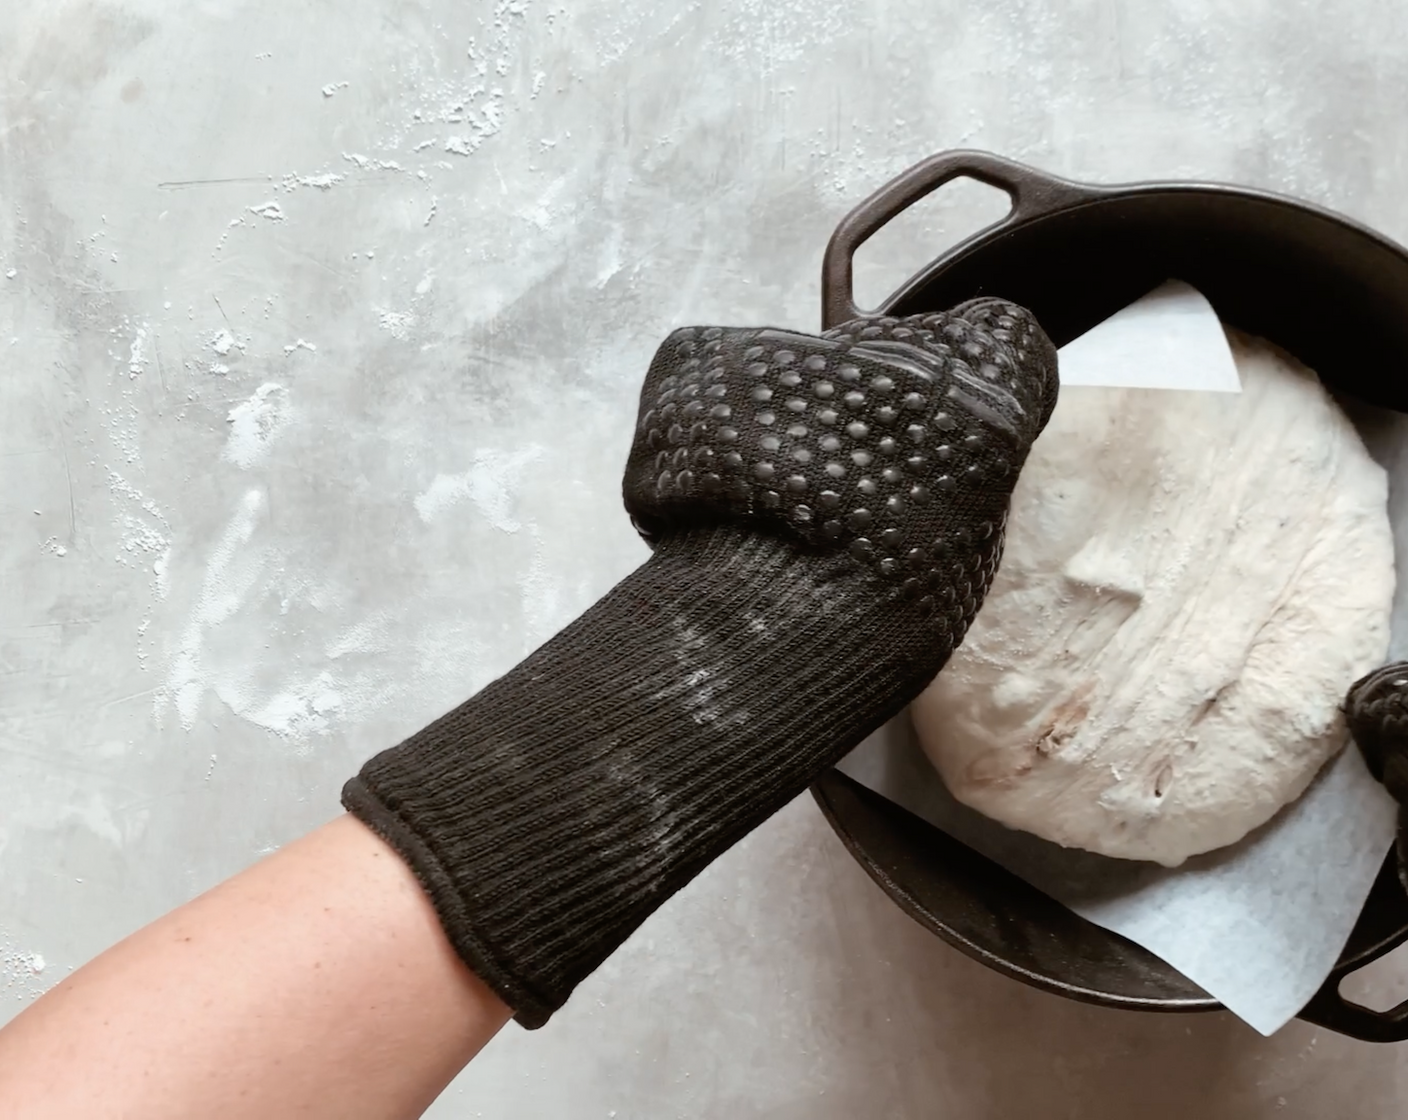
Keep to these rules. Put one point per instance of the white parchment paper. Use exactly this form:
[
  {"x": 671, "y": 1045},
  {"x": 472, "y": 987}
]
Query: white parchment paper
[
  {"x": 1259, "y": 924},
  {"x": 1170, "y": 339}
]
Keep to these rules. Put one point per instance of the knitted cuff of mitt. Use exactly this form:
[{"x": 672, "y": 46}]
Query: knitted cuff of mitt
[{"x": 826, "y": 515}]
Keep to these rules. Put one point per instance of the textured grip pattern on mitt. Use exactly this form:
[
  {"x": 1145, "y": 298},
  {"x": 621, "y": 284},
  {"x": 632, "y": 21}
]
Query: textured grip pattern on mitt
[
  {"x": 1376, "y": 710},
  {"x": 895, "y": 440}
]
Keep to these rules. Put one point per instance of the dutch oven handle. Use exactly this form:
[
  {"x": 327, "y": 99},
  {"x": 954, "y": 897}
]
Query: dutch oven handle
[
  {"x": 1330, "y": 1009},
  {"x": 1376, "y": 710},
  {"x": 1033, "y": 193}
]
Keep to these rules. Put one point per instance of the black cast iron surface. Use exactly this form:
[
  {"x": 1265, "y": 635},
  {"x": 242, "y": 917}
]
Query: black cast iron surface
[{"x": 1331, "y": 292}]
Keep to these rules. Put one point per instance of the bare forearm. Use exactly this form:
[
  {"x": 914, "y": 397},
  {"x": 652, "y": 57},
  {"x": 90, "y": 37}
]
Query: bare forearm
[{"x": 316, "y": 984}]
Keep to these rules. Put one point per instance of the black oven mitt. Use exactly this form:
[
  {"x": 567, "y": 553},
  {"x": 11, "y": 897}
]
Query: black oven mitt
[
  {"x": 826, "y": 514},
  {"x": 1376, "y": 710}
]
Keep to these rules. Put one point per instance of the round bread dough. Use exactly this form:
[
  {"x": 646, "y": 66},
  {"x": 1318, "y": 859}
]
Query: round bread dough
[{"x": 1191, "y": 582}]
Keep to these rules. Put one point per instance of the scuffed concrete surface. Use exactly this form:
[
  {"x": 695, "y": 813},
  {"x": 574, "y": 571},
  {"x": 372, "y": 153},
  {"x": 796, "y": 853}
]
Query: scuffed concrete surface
[{"x": 320, "y": 331}]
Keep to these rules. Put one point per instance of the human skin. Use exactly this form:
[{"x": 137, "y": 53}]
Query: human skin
[{"x": 317, "y": 983}]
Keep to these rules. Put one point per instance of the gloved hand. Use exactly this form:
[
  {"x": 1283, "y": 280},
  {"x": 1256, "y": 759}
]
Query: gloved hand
[
  {"x": 1376, "y": 712},
  {"x": 826, "y": 514}
]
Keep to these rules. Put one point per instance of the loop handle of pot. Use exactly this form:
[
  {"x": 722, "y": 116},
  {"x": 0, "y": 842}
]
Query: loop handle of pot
[
  {"x": 1330, "y": 1009},
  {"x": 1376, "y": 712},
  {"x": 1034, "y": 194}
]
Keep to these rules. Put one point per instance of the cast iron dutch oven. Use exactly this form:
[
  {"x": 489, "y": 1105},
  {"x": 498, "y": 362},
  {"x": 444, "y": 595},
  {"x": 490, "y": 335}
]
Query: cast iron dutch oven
[{"x": 1329, "y": 291}]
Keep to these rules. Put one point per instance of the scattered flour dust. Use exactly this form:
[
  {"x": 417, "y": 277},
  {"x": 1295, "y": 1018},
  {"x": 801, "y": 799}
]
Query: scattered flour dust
[
  {"x": 269, "y": 210},
  {"x": 324, "y": 182},
  {"x": 464, "y": 102},
  {"x": 299, "y": 711},
  {"x": 144, "y": 532},
  {"x": 466, "y": 109},
  {"x": 137, "y": 353},
  {"x": 254, "y": 424},
  {"x": 396, "y": 323},
  {"x": 489, "y": 484},
  {"x": 242, "y": 576},
  {"x": 222, "y": 343},
  {"x": 145, "y": 545},
  {"x": 222, "y": 593},
  {"x": 24, "y": 975}
]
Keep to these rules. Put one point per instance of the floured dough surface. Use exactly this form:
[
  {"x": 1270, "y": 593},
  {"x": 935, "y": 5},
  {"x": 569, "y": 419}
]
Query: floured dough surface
[{"x": 1191, "y": 582}]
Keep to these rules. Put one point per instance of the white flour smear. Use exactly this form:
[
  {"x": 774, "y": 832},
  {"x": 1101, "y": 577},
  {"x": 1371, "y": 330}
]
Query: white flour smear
[
  {"x": 222, "y": 594},
  {"x": 246, "y": 585},
  {"x": 270, "y": 210},
  {"x": 490, "y": 484},
  {"x": 24, "y": 974},
  {"x": 255, "y": 423},
  {"x": 137, "y": 353},
  {"x": 143, "y": 531},
  {"x": 398, "y": 324}
]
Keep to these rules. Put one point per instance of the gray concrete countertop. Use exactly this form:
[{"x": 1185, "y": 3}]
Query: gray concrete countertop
[{"x": 320, "y": 331}]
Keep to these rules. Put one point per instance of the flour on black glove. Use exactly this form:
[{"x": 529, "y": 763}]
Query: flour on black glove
[{"x": 826, "y": 514}]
